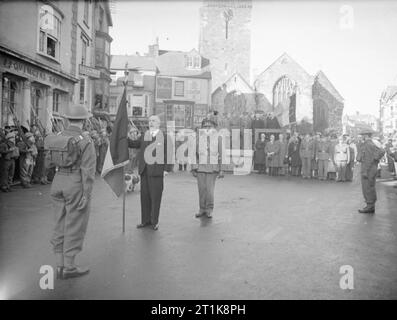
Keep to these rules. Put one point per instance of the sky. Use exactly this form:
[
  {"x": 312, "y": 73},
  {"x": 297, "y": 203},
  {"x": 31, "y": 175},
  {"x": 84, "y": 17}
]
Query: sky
[{"x": 353, "y": 42}]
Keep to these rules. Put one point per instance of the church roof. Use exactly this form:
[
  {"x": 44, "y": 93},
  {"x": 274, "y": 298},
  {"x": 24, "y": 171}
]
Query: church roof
[
  {"x": 231, "y": 79},
  {"x": 286, "y": 57},
  {"x": 324, "y": 81}
]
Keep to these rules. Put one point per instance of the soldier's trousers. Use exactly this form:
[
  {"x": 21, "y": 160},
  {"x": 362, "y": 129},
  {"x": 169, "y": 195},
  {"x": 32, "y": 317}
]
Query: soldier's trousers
[
  {"x": 25, "y": 170},
  {"x": 70, "y": 223},
  {"x": 206, "y": 189},
  {"x": 7, "y": 172},
  {"x": 341, "y": 170},
  {"x": 39, "y": 170},
  {"x": 322, "y": 169},
  {"x": 368, "y": 183},
  {"x": 306, "y": 167},
  {"x": 151, "y": 193}
]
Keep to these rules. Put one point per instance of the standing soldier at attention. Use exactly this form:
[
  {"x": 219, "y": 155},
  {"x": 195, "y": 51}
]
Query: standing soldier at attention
[
  {"x": 74, "y": 157},
  {"x": 208, "y": 167},
  {"x": 27, "y": 159},
  {"x": 307, "y": 154},
  {"x": 369, "y": 155},
  {"x": 323, "y": 155}
]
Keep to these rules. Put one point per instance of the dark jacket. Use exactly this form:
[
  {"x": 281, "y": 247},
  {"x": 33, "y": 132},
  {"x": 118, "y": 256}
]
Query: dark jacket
[{"x": 158, "y": 167}]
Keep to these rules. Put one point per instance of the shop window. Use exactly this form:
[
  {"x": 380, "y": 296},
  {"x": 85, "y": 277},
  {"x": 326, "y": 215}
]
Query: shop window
[
  {"x": 49, "y": 32},
  {"x": 82, "y": 90},
  {"x": 9, "y": 103},
  {"x": 179, "y": 88},
  {"x": 55, "y": 101}
]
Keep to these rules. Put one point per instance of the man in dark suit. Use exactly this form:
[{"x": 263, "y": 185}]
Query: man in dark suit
[{"x": 152, "y": 169}]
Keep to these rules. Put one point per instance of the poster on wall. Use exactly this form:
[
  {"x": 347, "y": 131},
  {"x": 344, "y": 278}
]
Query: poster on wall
[{"x": 164, "y": 88}]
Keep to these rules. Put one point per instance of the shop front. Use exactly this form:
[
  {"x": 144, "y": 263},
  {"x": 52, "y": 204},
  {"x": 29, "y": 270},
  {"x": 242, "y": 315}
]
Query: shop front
[{"x": 31, "y": 92}]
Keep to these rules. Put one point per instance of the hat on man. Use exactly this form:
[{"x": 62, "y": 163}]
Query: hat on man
[
  {"x": 78, "y": 112},
  {"x": 208, "y": 122}
]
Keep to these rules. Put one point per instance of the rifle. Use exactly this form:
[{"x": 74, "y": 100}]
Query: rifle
[
  {"x": 18, "y": 125},
  {"x": 38, "y": 122}
]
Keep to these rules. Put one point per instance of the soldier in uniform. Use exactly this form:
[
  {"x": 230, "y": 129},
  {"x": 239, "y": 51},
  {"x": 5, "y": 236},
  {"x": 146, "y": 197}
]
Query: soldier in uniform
[
  {"x": 9, "y": 152},
  {"x": 27, "y": 159},
  {"x": 341, "y": 159},
  {"x": 71, "y": 194},
  {"x": 208, "y": 167},
  {"x": 307, "y": 154},
  {"x": 369, "y": 155},
  {"x": 39, "y": 171},
  {"x": 323, "y": 155}
]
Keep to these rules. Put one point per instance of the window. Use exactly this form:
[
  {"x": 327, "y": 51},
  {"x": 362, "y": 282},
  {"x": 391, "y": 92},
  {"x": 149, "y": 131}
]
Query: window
[
  {"x": 55, "y": 101},
  {"x": 84, "y": 46},
  {"x": 179, "y": 88},
  {"x": 189, "y": 62},
  {"x": 8, "y": 105},
  {"x": 196, "y": 63},
  {"x": 101, "y": 17},
  {"x": 86, "y": 10},
  {"x": 49, "y": 32},
  {"x": 82, "y": 90}
]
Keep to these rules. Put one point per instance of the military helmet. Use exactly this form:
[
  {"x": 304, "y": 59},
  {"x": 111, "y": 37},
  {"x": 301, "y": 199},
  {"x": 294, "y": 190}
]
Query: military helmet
[
  {"x": 78, "y": 112},
  {"x": 28, "y": 135}
]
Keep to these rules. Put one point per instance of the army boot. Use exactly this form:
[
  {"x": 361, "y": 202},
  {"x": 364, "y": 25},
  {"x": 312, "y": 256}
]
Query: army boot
[{"x": 367, "y": 209}]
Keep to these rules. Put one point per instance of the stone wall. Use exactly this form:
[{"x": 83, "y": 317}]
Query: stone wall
[{"x": 227, "y": 55}]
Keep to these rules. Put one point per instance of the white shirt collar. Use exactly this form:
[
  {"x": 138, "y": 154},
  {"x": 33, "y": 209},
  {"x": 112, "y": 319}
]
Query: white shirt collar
[{"x": 154, "y": 132}]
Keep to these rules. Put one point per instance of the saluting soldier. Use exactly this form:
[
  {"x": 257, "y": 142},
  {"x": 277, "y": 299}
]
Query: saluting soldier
[
  {"x": 369, "y": 155},
  {"x": 71, "y": 191},
  {"x": 208, "y": 167}
]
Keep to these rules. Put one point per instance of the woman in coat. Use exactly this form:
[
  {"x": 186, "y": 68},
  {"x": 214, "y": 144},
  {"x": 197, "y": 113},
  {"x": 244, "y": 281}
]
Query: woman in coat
[
  {"x": 283, "y": 156},
  {"x": 272, "y": 151},
  {"x": 259, "y": 156},
  {"x": 294, "y": 156}
]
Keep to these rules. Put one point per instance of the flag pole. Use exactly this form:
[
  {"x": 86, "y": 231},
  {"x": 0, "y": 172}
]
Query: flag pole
[
  {"x": 124, "y": 194},
  {"x": 124, "y": 183}
]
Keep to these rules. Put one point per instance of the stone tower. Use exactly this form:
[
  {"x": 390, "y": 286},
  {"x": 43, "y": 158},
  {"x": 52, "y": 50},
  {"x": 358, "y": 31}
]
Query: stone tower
[{"x": 225, "y": 38}]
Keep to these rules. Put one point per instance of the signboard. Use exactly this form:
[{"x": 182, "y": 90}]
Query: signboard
[
  {"x": 90, "y": 72},
  {"x": 164, "y": 88},
  {"x": 27, "y": 70}
]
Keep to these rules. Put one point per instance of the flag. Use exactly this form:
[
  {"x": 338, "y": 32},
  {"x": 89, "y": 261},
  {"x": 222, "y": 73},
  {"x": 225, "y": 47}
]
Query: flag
[{"x": 117, "y": 155}]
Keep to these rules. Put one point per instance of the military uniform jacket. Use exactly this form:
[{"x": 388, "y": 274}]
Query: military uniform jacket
[
  {"x": 323, "y": 150},
  {"x": 7, "y": 153},
  {"x": 369, "y": 155},
  {"x": 307, "y": 149},
  {"x": 208, "y": 153},
  {"x": 87, "y": 162}
]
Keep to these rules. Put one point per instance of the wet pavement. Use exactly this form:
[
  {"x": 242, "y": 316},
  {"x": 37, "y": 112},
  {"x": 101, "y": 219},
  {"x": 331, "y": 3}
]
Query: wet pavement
[{"x": 270, "y": 238}]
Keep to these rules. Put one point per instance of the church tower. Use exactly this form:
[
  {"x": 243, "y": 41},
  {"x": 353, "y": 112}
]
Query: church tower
[{"x": 225, "y": 38}]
